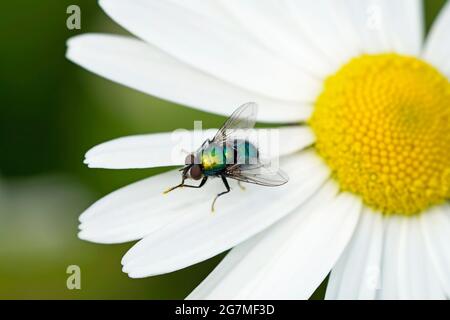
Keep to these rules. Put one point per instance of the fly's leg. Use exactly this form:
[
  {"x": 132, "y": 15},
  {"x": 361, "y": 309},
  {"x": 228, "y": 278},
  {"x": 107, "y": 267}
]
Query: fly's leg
[
  {"x": 225, "y": 182},
  {"x": 241, "y": 186},
  {"x": 202, "y": 183}
]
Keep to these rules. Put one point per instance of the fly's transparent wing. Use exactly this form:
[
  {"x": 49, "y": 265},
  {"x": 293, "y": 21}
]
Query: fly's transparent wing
[
  {"x": 241, "y": 119},
  {"x": 261, "y": 173}
]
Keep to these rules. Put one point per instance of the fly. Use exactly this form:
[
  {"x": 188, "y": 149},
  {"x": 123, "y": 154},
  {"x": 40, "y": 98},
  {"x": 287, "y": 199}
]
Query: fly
[{"x": 231, "y": 155}]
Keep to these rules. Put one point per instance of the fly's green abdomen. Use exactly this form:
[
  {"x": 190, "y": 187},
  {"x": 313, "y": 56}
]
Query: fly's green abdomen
[
  {"x": 245, "y": 152},
  {"x": 215, "y": 158}
]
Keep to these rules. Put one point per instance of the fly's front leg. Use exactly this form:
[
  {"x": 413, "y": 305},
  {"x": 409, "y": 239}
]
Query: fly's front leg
[
  {"x": 225, "y": 182},
  {"x": 202, "y": 183}
]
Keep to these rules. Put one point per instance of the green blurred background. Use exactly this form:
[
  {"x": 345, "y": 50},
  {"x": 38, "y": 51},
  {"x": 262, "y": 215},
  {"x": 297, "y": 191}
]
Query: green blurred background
[{"x": 52, "y": 112}]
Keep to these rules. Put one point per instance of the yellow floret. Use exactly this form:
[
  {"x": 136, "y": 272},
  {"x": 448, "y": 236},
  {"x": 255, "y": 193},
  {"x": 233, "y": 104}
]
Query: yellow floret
[{"x": 382, "y": 124}]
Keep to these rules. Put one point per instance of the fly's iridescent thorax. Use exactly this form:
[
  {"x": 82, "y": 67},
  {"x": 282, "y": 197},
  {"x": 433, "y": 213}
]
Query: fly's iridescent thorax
[{"x": 215, "y": 158}]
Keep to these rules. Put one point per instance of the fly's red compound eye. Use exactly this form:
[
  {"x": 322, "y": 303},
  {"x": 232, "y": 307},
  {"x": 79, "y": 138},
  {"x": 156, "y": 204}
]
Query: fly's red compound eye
[{"x": 196, "y": 172}]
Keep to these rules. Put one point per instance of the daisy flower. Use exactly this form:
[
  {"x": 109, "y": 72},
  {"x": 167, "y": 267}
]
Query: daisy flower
[{"x": 368, "y": 160}]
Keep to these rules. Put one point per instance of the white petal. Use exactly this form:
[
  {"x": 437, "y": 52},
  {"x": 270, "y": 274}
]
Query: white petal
[
  {"x": 291, "y": 259},
  {"x": 407, "y": 32},
  {"x": 140, "y": 66},
  {"x": 139, "y": 209},
  {"x": 417, "y": 279},
  {"x": 136, "y": 210},
  {"x": 389, "y": 266},
  {"x": 436, "y": 230},
  {"x": 198, "y": 235},
  {"x": 210, "y": 9},
  {"x": 147, "y": 150},
  {"x": 217, "y": 49},
  {"x": 326, "y": 29},
  {"x": 171, "y": 148},
  {"x": 357, "y": 273},
  {"x": 437, "y": 46},
  {"x": 406, "y": 270},
  {"x": 271, "y": 22},
  {"x": 218, "y": 278},
  {"x": 385, "y": 25}
]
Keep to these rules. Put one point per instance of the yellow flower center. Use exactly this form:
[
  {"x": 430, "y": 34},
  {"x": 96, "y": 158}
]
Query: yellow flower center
[{"x": 382, "y": 124}]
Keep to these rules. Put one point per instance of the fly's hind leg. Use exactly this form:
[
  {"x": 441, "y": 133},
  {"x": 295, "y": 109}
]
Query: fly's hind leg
[{"x": 225, "y": 182}]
